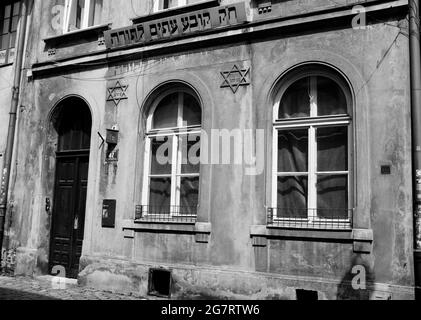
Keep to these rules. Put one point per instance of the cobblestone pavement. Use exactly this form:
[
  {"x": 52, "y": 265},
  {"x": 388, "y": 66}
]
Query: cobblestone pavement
[{"x": 18, "y": 288}]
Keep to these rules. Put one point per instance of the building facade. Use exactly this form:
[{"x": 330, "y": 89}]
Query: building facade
[{"x": 231, "y": 149}]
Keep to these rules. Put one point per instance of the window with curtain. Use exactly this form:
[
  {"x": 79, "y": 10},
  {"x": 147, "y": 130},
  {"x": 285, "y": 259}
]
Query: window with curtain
[
  {"x": 173, "y": 157},
  {"x": 81, "y": 14},
  {"x": 9, "y": 19},
  {"x": 312, "y": 163}
]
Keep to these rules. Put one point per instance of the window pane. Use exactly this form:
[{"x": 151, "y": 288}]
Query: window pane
[
  {"x": 6, "y": 24},
  {"x": 11, "y": 56},
  {"x": 80, "y": 12},
  {"x": 296, "y": 101},
  {"x": 160, "y": 196},
  {"x": 12, "y": 43},
  {"x": 72, "y": 15},
  {"x": 76, "y": 14},
  {"x": 292, "y": 197},
  {"x": 166, "y": 113},
  {"x": 192, "y": 112},
  {"x": 16, "y": 6},
  {"x": 95, "y": 14},
  {"x": 166, "y": 4},
  {"x": 330, "y": 98},
  {"x": 2, "y": 56},
  {"x": 332, "y": 197},
  {"x": 14, "y": 26},
  {"x": 8, "y": 11},
  {"x": 293, "y": 150},
  {"x": 3, "y": 29},
  {"x": 161, "y": 156},
  {"x": 190, "y": 151},
  {"x": 4, "y": 41},
  {"x": 332, "y": 149},
  {"x": 189, "y": 195}
]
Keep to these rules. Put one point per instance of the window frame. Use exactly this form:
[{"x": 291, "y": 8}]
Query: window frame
[
  {"x": 174, "y": 133},
  {"x": 69, "y": 6},
  {"x": 158, "y": 4},
  {"x": 311, "y": 123},
  {"x": 9, "y": 30}
]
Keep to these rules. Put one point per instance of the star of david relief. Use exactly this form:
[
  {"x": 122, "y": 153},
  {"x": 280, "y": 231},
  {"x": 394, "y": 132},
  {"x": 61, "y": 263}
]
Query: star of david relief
[
  {"x": 117, "y": 93},
  {"x": 235, "y": 78}
]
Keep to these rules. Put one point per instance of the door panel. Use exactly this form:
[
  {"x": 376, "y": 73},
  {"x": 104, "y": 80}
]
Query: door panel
[
  {"x": 79, "y": 225},
  {"x": 69, "y": 212}
]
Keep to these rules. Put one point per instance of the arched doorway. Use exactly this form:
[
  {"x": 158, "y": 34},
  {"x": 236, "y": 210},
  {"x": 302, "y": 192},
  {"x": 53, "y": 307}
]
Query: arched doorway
[{"x": 72, "y": 122}]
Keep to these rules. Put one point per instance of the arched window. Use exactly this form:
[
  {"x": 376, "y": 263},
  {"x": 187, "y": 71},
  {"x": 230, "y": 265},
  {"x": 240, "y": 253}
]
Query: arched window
[
  {"x": 173, "y": 157},
  {"x": 311, "y": 185}
]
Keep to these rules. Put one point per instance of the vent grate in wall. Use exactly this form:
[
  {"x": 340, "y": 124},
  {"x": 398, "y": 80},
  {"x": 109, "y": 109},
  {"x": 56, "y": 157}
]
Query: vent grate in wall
[
  {"x": 307, "y": 295},
  {"x": 159, "y": 283}
]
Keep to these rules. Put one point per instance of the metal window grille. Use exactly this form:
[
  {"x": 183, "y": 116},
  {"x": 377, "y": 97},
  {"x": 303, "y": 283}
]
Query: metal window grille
[
  {"x": 323, "y": 219},
  {"x": 180, "y": 214}
]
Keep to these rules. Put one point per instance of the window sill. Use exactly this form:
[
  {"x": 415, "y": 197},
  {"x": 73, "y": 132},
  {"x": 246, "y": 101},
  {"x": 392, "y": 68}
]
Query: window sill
[
  {"x": 77, "y": 34},
  {"x": 201, "y": 230},
  {"x": 175, "y": 11},
  {"x": 279, "y": 232},
  {"x": 362, "y": 239},
  {"x": 165, "y": 226}
]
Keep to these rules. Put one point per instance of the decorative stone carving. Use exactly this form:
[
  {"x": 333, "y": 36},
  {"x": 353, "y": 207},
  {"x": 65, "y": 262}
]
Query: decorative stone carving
[
  {"x": 235, "y": 78},
  {"x": 51, "y": 52},
  {"x": 117, "y": 93},
  {"x": 265, "y": 8}
]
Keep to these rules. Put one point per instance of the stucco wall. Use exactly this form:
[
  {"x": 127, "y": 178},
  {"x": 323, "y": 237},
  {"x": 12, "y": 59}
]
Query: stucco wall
[{"x": 375, "y": 63}]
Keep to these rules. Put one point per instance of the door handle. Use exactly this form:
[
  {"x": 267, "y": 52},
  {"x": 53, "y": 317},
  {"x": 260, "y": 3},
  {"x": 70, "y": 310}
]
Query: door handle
[{"x": 76, "y": 223}]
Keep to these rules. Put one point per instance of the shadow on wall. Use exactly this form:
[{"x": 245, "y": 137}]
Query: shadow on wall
[{"x": 355, "y": 283}]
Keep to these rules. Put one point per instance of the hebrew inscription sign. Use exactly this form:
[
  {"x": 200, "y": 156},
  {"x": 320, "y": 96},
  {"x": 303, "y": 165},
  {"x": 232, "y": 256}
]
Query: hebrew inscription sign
[{"x": 177, "y": 26}]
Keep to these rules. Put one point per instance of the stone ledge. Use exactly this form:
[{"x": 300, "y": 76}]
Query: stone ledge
[
  {"x": 362, "y": 234},
  {"x": 362, "y": 239},
  {"x": 201, "y": 230},
  {"x": 78, "y": 34},
  {"x": 272, "y": 232}
]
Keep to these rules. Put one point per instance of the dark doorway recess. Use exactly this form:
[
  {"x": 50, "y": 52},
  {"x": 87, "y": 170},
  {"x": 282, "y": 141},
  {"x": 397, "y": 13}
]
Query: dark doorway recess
[{"x": 73, "y": 123}]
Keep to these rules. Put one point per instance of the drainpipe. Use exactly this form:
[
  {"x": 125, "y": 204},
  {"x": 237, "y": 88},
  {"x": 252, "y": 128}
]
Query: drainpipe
[
  {"x": 415, "y": 60},
  {"x": 12, "y": 120}
]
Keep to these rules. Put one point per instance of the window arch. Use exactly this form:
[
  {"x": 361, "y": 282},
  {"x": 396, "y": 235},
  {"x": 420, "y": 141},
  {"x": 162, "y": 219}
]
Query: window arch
[
  {"x": 172, "y": 171},
  {"x": 73, "y": 123},
  {"x": 312, "y": 152}
]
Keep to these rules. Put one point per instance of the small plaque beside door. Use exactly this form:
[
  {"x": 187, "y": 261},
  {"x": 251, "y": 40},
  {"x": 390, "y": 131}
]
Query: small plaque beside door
[{"x": 108, "y": 213}]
